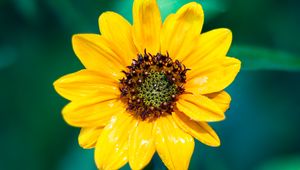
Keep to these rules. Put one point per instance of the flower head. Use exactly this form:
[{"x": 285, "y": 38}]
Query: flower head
[{"x": 149, "y": 86}]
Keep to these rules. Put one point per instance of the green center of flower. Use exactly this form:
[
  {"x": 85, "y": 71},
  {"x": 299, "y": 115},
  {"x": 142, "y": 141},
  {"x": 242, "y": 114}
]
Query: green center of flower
[
  {"x": 151, "y": 85},
  {"x": 156, "y": 90}
]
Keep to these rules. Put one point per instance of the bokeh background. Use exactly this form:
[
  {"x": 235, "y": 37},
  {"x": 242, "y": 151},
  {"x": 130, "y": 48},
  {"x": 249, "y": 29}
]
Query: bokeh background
[{"x": 261, "y": 131}]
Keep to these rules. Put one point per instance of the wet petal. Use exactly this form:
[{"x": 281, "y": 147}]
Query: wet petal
[
  {"x": 112, "y": 147},
  {"x": 92, "y": 111},
  {"x": 222, "y": 99},
  {"x": 146, "y": 26},
  {"x": 84, "y": 83},
  {"x": 213, "y": 79},
  {"x": 199, "y": 108},
  {"x": 181, "y": 29},
  {"x": 141, "y": 145},
  {"x": 88, "y": 136},
  {"x": 96, "y": 53},
  {"x": 174, "y": 146},
  {"x": 119, "y": 31},
  {"x": 200, "y": 130}
]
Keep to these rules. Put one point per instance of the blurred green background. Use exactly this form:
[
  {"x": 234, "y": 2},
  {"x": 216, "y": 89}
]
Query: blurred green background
[{"x": 261, "y": 131}]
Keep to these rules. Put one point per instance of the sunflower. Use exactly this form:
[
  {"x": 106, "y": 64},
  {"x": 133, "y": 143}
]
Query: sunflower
[{"x": 149, "y": 86}]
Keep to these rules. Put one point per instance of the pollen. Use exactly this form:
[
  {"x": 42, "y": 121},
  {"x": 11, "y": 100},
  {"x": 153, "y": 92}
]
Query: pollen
[{"x": 151, "y": 85}]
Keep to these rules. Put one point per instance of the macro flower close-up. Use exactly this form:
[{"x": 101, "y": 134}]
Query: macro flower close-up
[
  {"x": 149, "y": 84},
  {"x": 153, "y": 86}
]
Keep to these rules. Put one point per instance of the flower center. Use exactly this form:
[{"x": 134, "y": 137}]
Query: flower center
[
  {"x": 151, "y": 85},
  {"x": 156, "y": 89}
]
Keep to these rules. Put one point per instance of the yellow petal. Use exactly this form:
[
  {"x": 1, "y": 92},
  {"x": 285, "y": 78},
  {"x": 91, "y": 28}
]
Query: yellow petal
[
  {"x": 222, "y": 99},
  {"x": 200, "y": 130},
  {"x": 213, "y": 79},
  {"x": 84, "y": 83},
  {"x": 119, "y": 31},
  {"x": 199, "y": 108},
  {"x": 146, "y": 26},
  {"x": 141, "y": 145},
  {"x": 181, "y": 29},
  {"x": 210, "y": 47},
  {"x": 112, "y": 146},
  {"x": 174, "y": 146},
  {"x": 92, "y": 111},
  {"x": 88, "y": 136},
  {"x": 96, "y": 53}
]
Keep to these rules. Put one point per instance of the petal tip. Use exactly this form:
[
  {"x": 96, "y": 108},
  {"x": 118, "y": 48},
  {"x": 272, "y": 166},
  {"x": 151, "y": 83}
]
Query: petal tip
[
  {"x": 56, "y": 84},
  {"x": 75, "y": 37},
  {"x": 83, "y": 144},
  {"x": 104, "y": 15},
  {"x": 75, "y": 40},
  {"x": 235, "y": 63},
  {"x": 216, "y": 144},
  {"x": 222, "y": 117},
  {"x": 192, "y": 8},
  {"x": 227, "y": 33},
  {"x": 65, "y": 113}
]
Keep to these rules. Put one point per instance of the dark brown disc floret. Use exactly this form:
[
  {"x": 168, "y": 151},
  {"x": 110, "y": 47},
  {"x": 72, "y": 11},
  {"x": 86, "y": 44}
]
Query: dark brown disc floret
[{"x": 151, "y": 85}]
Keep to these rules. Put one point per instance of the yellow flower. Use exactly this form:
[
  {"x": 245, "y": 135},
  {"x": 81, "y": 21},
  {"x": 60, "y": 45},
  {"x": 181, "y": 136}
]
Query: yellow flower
[{"x": 149, "y": 86}]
